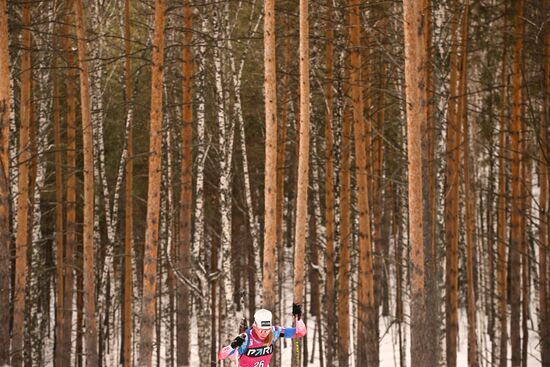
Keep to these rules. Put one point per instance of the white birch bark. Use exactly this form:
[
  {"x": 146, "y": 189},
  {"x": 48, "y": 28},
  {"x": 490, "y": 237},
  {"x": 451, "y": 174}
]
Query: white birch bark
[
  {"x": 226, "y": 127},
  {"x": 13, "y": 149},
  {"x": 202, "y": 310},
  {"x": 253, "y": 222}
]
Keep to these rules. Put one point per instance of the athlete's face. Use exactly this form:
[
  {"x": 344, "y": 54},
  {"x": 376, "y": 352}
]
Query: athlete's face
[{"x": 262, "y": 333}]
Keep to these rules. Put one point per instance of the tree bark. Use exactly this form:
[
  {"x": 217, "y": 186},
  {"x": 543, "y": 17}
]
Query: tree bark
[
  {"x": 502, "y": 265},
  {"x": 5, "y": 113},
  {"x": 429, "y": 169},
  {"x": 303, "y": 165},
  {"x": 59, "y": 230},
  {"x": 417, "y": 114},
  {"x": 153, "y": 192},
  {"x": 127, "y": 319},
  {"x": 515, "y": 244},
  {"x": 329, "y": 190},
  {"x": 367, "y": 329},
  {"x": 270, "y": 185},
  {"x": 469, "y": 196},
  {"x": 344, "y": 271},
  {"x": 451, "y": 201},
  {"x": 22, "y": 239},
  {"x": 88, "y": 240},
  {"x": 186, "y": 194},
  {"x": 544, "y": 253}
]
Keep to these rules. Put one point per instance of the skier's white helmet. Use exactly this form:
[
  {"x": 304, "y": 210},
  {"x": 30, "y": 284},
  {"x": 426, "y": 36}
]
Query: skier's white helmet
[{"x": 262, "y": 319}]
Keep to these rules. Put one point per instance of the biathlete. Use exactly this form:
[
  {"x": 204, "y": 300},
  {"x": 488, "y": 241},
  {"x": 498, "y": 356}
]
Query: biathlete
[{"x": 255, "y": 345}]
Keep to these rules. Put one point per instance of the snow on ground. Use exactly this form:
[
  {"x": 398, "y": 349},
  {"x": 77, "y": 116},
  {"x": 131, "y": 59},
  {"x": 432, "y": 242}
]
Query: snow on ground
[{"x": 389, "y": 346}]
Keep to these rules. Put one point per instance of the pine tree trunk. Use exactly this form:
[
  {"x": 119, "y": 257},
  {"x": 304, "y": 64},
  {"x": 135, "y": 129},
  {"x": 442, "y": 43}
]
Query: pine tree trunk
[
  {"x": 451, "y": 201},
  {"x": 303, "y": 167},
  {"x": 153, "y": 192},
  {"x": 329, "y": 191},
  {"x": 515, "y": 243},
  {"x": 88, "y": 240},
  {"x": 367, "y": 330},
  {"x": 127, "y": 306},
  {"x": 270, "y": 185},
  {"x": 429, "y": 169},
  {"x": 186, "y": 194},
  {"x": 22, "y": 239},
  {"x": 417, "y": 114},
  {"x": 344, "y": 270},
  {"x": 502, "y": 225},
  {"x": 5, "y": 90}
]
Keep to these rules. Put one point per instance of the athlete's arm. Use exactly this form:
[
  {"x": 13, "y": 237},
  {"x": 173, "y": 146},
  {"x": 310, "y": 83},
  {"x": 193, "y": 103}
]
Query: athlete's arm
[
  {"x": 294, "y": 332},
  {"x": 236, "y": 345}
]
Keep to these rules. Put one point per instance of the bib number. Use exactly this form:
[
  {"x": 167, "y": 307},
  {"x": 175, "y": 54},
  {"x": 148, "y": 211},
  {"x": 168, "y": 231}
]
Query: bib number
[{"x": 259, "y": 364}]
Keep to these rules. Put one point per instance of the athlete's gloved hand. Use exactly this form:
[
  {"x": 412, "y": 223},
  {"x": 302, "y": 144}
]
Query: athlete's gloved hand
[
  {"x": 238, "y": 341},
  {"x": 297, "y": 310}
]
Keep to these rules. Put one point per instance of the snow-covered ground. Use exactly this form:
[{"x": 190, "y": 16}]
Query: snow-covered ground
[{"x": 389, "y": 347}]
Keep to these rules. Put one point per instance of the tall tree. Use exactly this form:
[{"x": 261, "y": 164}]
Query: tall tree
[
  {"x": 516, "y": 236},
  {"x": 417, "y": 114},
  {"x": 344, "y": 271},
  {"x": 186, "y": 199},
  {"x": 22, "y": 239},
  {"x": 544, "y": 253},
  {"x": 303, "y": 162},
  {"x": 59, "y": 221},
  {"x": 4, "y": 184},
  {"x": 70, "y": 212},
  {"x": 303, "y": 158},
  {"x": 469, "y": 196},
  {"x": 153, "y": 191},
  {"x": 127, "y": 319},
  {"x": 367, "y": 330},
  {"x": 270, "y": 185},
  {"x": 429, "y": 169},
  {"x": 329, "y": 188},
  {"x": 452, "y": 198},
  {"x": 502, "y": 225},
  {"x": 88, "y": 235}
]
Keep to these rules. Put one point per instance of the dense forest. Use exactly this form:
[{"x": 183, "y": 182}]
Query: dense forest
[{"x": 168, "y": 167}]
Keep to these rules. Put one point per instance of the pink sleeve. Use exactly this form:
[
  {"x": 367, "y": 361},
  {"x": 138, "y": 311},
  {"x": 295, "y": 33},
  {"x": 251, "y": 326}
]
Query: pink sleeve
[
  {"x": 300, "y": 328},
  {"x": 225, "y": 352}
]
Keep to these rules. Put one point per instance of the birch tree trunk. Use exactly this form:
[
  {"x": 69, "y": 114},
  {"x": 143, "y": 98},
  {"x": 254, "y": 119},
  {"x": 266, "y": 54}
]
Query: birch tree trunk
[
  {"x": 469, "y": 196},
  {"x": 153, "y": 192},
  {"x": 70, "y": 179},
  {"x": 270, "y": 185},
  {"x": 59, "y": 230},
  {"x": 544, "y": 253},
  {"x": 202, "y": 308},
  {"x": 22, "y": 239},
  {"x": 5, "y": 114}
]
